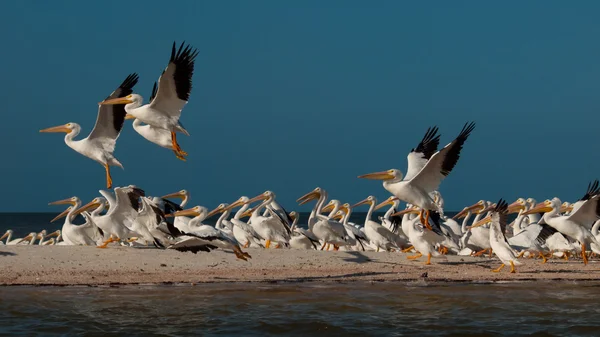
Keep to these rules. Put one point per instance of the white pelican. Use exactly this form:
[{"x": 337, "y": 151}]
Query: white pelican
[
  {"x": 9, "y": 240},
  {"x": 497, "y": 239},
  {"x": 86, "y": 234},
  {"x": 201, "y": 237},
  {"x": 153, "y": 134},
  {"x": 578, "y": 223},
  {"x": 242, "y": 231},
  {"x": 43, "y": 237},
  {"x": 269, "y": 228},
  {"x": 171, "y": 207},
  {"x": 393, "y": 223},
  {"x": 123, "y": 211},
  {"x": 378, "y": 236},
  {"x": 326, "y": 230},
  {"x": 422, "y": 179},
  {"x": 476, "y": 239},
  {"x": 301, "y": 238},
  {"x": 355, "y": 234},
  {"x": 423, "y": 239},
  {"x": 99, "y": 145},
  {"x": 148, "y": 222},
  {"x": 174, "y": 88}
]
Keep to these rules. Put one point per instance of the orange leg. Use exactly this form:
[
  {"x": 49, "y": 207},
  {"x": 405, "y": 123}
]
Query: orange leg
[
  {"x": 323, "y": 246},
  {"x": 481, "y": 252},
  {"x": 176, "y": 146},
  {"x": 268, "y": 244},
  {"x": 499, "y": 268},
  {"x": 490, "y": 253},
  {"x": 278, "y": 246},
  {"x": 336, "y": 247},
  {"x": 105, "y": 243},
  {"x": 512, "y": 267},
  {"x": 428, "y": 259},
  {"x": 542, "y": 256},
  {"x": 108, "y": 177},
  {"x": 408, "y": 249},
  {"x": 247, "y": 244},
  {"x": 585, "y": 259},
  {"x": 414, "y": 256},
  {"x": 427, "y": 220}
]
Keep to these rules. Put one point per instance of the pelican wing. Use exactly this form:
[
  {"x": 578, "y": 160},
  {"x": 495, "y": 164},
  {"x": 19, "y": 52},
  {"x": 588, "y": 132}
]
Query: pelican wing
[
  {"x": 587, "y": 213},
  {"x": 175, "y": 83},
  {"x": 192, "y": 244},
  {"x": 418, "y": 157},
  {"x": 111, "y": 118},
  {"x": 442, "y": 162}
]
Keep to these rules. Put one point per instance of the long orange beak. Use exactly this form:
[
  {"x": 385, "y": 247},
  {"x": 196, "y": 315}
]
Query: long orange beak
[
  {"x": 63, "y": 214},
  {"x": 215, "y": 211},
  {"x": 67, "y": 201},
  {"x": 407, "y": 211},
  {"x": 174, "y": 195},
  {"x": 384, "y": 175},
  {"x": 91, "y": 205},
  {"x": 234, "y": 205},
  {"x": 314, "y": 194},
  {"x": 389, "y": 201},
  {"x": 187, "y": 212},
  {"x": 542, "y": 207},
  {"x": 328, "y": 208},
  {"x": 365, "y": 201},
  {"x": 482, "y": 222},
  {"x": 60, "y": 128},
  {"x": 338, "y": 216},
  {"x": 257, "y": 198},
  {"x": 472, "y": 208},
  {"x": 515, "y": 207},
  {"x": 4, "y": 236},
  {"x": 118, "y": 100}
]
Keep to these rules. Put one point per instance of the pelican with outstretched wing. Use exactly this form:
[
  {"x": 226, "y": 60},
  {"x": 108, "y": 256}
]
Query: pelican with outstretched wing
[
  {"x": 100, "y": 144},
  {"x": 174, "y": 88}
]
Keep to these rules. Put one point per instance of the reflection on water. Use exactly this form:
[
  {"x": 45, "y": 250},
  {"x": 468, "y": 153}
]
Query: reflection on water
[{"x": 413, "y": 309}]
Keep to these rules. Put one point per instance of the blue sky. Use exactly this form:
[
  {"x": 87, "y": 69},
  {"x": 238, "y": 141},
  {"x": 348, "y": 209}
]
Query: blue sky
[{"x": 290, "y": 95}]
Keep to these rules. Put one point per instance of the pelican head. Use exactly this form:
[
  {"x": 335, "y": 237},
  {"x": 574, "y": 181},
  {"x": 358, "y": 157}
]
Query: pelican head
[
  {"x": 566, "y": 207},
  {"x": 331, "y": 206},
  {"x": 476, "y": 208},
  {"x": 263, "y": 196},
  {"x": 62, "y": 214},
  {"x": 368, "y": 200},
  {"x": 97, "y": 202},
  {"x": 543, "y": 207},
  {"x": 339, "y": 215},
  {"x": 240, "y": 202},
  {"x": 408, "y": 210},
  {"x": 194, "y": 211},
  {"x": 6, "y": 234},
  {"x": 133, "y": 98},
  {"x": 517, "y": 206},
  {"x": 293, "y": 215},
  {"x": 389, "y": 201},
  {"x": 312, "y": 195},
  {"x": 392, "y": 174},
  {"x": 65, "y": 128},
  {"x": 220, "y": 209},
  {"x": 183, "y": 194},
  {"x": 69, "y": 201}
]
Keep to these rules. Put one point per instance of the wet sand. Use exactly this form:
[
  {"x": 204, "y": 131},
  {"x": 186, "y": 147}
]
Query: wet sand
[{"x": 70, "y": 265}]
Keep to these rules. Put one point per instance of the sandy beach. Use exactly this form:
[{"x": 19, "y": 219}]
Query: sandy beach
[{"x": 77, "y": 265}]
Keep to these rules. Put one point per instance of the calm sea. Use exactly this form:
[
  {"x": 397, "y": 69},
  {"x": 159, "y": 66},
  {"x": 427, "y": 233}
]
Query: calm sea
[{"x": 356, "y": 309}]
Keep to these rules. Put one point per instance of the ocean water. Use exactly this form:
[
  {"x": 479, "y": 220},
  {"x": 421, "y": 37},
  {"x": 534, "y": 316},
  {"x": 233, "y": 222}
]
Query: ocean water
[{"x": 301, "y": 309}]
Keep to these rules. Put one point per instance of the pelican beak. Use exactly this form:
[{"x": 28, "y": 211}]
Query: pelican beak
[
  {"x": 542, "y": 207},
  {"x": 308, "y": 197},
  {"x": 387, "y": 202},
  {"x": 338, "y": 216},
  {"x": 128, "y": 116},
  {"x": 67, "y": 201},
  {"x": 91, "y": 205},
  {"x": 187, "y": 212},
  {"x": 257, "y": 198},
  {"x": 60, "y": 128},
  {"x": 118, "y": 100},
  {"x": 4, "y": 236},
  {"x": 55, "y": 233},
  {"x": 366, "y": 201},
  {"x": 62, "y": 215},
  {"x": 247, "y": 213},
  {"x": 566, "y": 208},
  {"x": 406, "y": 211},
  {"x": 327, "y": 208},
  {"x": 28, "y": 237},
  {"x": 174, "y": 195},
  {"x": 215, "y": 211},
  {"x": 466, "y": 210},
  {"x": 482, "y": 222},
  {"x": 515, "y": 207},
  {"x": 384, "y": 175},
  {"x": 234, "y": 205}
]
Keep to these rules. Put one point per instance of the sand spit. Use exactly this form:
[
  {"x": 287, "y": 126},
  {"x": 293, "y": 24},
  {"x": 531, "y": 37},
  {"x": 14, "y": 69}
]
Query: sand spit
[{"x": 70, "y": 265}]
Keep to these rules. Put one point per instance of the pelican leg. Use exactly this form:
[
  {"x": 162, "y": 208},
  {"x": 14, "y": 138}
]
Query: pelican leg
[
  {"x": 540, "y": 255},
  {"x": 407, "y": 249},
  {"x": 179, "y": 156},
  {"x": 413, "y": 257},
  {"x": 499, "y": 268},
  {"x": 176, "y": 146},
  {"x": 278, "y": 246},
  {"x": 377, "y": 249},
  {"x": 566, "y": 256},
  {"x": 105, "y": 243},
  {"x": 421, "y": 218},
  {"x": 490, "y": 256},
  {"x": 521, "y": 254},
  {"x": 323, "y": 246},
  {"x": 428, "y": 259},
  {"x": 108, "y": 177},
  {"x": 427, "y": 220},
  {"x": 130, "y": 240},
  {"x": 268, "y": 244},
  {"x": 336, "y": 247},
  {"x": 585, "y": 259},
  {"x": 328, "y": 246},
  {"x": 443, "y": 250},
  {"x": 247, "y": 244},
  {"x": 239, "y": 254},
  {"x": 481, "y": 252},
  {"x": 512, "y": 267}
]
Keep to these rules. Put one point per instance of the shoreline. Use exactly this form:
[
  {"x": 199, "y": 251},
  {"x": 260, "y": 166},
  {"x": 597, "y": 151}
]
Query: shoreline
[{"x": 121, "y": 266}]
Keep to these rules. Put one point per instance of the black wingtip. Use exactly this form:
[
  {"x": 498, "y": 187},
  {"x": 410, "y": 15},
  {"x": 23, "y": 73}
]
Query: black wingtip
[
  {"x": 592, "y": 190},
  {"x": 501, "y": 206},
  {"x": 466, "y": 130},
  {"x": 430, "y": 142}
]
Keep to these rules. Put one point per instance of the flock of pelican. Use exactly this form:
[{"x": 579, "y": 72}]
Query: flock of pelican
[{"x": 126, "y": 216}]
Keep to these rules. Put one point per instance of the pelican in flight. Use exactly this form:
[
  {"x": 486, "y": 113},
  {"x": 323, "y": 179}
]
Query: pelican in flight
[
  {"x": 426, "y": 170},
  {"x": 497, "y": 239},
  {"x": 99, "y": 145},
  {"x": 174, "y": 88}
]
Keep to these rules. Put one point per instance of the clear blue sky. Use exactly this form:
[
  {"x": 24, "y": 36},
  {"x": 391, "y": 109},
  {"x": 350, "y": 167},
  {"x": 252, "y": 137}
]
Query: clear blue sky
[{"x": 290, "y": 95}]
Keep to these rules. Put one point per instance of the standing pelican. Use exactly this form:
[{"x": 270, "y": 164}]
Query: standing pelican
[
  {"x": 174, "y": 88},
  {"x": 424, "y": 174},
  {"x": 497, "y": 239},
  {"x": 269, "y": 228},
  {"x": 99, "y": 145}
]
